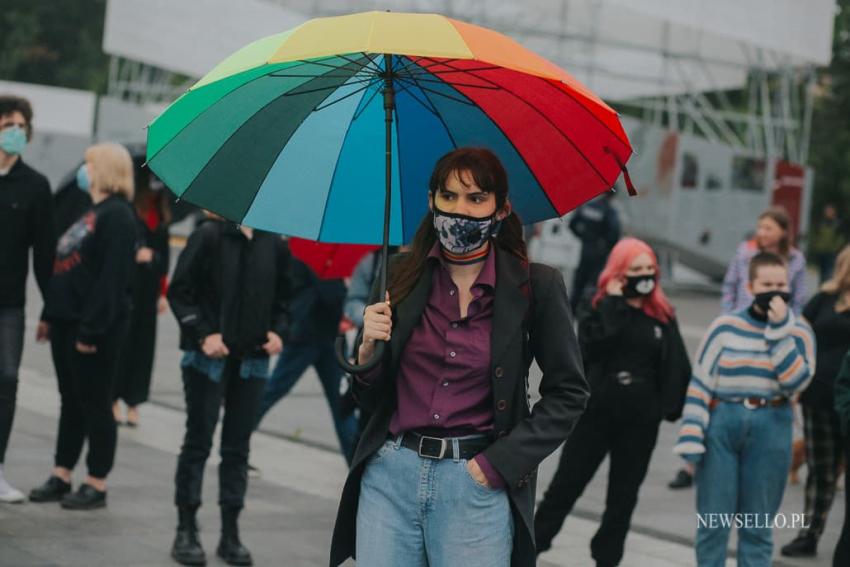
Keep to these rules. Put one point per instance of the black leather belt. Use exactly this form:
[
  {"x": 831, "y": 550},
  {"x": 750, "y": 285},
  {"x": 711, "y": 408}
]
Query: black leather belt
[{"x": 441, "y": 447}]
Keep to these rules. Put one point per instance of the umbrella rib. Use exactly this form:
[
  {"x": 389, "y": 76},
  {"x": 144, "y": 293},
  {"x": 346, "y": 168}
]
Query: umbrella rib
[
  {"x": 359, "y": 112},
  {"x": 440, "y": 117},
  {"x": 438, "y": 93},
  {"x": 405, "y": 87},
  {"x": 440, "y": 82},
  {"x": 317, "y": 89},
  {"x": 333, "y": 102},
  {"x": 352, "y": 61}
]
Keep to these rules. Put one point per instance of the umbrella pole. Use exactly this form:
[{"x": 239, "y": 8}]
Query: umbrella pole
[{"x": 389, "y": 109}]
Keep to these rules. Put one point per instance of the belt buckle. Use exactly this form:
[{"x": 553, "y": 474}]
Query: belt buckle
[
  {"x": 624, "y": 378},
  {"x": 443, "y": 446},
  {"x": 750, "y": 405}
]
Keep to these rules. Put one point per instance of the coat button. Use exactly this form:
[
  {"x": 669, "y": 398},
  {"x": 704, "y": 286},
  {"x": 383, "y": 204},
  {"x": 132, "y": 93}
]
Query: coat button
[
  {"x": 498, "y": 372},
  {"x": 501, "y": 405},
  {"x": 502, "y": 433}
]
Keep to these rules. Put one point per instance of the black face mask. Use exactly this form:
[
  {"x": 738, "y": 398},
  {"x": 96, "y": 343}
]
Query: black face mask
[
  {"x": 762, "y": 300},
  {"x": 638, "y": 286}
]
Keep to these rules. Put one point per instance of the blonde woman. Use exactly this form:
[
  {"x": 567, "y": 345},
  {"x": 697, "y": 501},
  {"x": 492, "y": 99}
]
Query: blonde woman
[
  {"x": 829, "y": 314},
  {"x": 87, "y": 309}
]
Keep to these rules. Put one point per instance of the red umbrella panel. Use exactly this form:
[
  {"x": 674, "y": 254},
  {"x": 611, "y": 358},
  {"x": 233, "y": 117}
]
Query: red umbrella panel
[{"x": 329, "y": 261}]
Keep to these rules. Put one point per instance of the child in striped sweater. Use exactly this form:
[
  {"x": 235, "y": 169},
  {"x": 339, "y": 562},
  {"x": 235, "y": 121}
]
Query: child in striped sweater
[{"x": 737, "y": 421}]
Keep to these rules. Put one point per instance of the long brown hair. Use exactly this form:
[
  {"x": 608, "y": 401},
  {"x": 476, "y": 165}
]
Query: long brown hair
[
  {"x": 839, "y": 283},
  {"x": 489, "y": 174},
  {"x": 780, "y": 216}
]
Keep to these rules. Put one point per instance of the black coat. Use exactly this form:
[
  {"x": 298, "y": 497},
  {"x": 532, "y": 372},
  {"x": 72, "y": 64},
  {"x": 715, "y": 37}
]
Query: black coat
[
  {"x": 599, "y": 335},
  {"x": 522, "y": 329},
  {"x": 225, "y": 283}
]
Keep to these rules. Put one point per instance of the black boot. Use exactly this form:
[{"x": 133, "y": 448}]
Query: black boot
[
  {"x": 51, "y": 491},
  {"x": 187, "y": 548},
  {"x": 683, "y": 479},
  {"x": 804, "y": 545},
  {"x": 86, "y": 497},
  {"x": 230, "y": 549}
]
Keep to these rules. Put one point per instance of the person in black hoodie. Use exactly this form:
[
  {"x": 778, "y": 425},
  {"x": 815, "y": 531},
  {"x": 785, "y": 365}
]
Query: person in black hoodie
[
  {"x": 87, "y": 308},
  {"x": 135, "y": 364},
  {"x": 25, "y": 212},
  {"x": 229, "y": 292},
  {"x": 638, "y": 369}
]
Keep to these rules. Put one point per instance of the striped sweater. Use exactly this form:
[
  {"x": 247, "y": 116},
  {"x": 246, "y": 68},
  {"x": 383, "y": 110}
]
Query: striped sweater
[{"x": 742, "y": 357}]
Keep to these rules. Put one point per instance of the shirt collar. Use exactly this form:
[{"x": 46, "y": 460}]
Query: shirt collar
[{"x": 487, "y": 277}]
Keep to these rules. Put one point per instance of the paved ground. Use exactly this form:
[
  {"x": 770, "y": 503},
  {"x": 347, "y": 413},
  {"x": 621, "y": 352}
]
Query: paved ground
[{"x": 290, "y": 510}]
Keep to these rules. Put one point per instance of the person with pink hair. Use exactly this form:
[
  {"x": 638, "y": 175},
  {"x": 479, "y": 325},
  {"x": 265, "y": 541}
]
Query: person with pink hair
[{"x": 638, "y": 370}]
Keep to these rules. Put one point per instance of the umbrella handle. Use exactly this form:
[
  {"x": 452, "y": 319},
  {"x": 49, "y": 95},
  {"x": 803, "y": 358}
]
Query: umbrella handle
[{"x": 358, "y": 368}]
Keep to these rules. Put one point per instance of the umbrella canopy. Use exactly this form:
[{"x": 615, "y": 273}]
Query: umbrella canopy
[
  {"x": 288, "y": 133},
  {"x": 329, "y": 261}
]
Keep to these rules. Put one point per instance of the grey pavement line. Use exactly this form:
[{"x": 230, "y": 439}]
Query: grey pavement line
[{"x": 276, "y": 434}]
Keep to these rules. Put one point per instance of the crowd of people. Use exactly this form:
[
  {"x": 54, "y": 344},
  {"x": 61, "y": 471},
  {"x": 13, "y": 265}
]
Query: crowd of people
[{"x": 441, "y": 437}]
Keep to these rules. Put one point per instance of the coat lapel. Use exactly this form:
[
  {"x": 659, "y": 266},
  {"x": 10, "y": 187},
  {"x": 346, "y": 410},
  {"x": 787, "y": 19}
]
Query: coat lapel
[{"x": 511, "y": 302}]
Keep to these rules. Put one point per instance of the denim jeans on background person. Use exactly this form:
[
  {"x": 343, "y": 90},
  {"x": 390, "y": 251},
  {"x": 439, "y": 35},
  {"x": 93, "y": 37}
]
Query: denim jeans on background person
[
  {"x": 744, "y": 470},
  {"x": 11, "y": 348},
  {"x": 295, "y": 359},
  {"x": 421, "y": 512}
]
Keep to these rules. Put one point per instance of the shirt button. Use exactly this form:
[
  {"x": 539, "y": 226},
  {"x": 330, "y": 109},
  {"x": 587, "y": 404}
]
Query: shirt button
[
  {"x": 436, "y": 416},
  {"x": 445, "y": 384},
  {"x": 498, "y": 372},
  {"x": 502, "y": 405},
  {"x": 454, "y": 325},
  {"x": 453, "y": 354},
  {"x": 451, "y": 292}
]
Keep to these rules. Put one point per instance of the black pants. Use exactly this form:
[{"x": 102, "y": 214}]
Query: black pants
[
  {"x": 824, "y": 455},
  {"x": 85, "y": 387},
  {"x": 842, "y": 550},
  {"x": 204, "y": 398},
  {"x": 11, "y": 347},
  {"x": 597, "y": 434}
]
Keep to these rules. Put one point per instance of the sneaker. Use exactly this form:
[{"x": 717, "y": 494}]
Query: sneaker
[
  {"x": 86, "y": 497},
  {"x": 51, "y": 491},
  {"x": 253, "y": 472},
  {"x": 8, "y": 493},
  {"x": 683, "y": 479},
  {"x": 801, "y": 546}
]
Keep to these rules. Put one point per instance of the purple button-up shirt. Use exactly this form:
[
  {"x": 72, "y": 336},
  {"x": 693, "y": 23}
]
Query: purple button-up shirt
[{"x": 443, "y": 383}]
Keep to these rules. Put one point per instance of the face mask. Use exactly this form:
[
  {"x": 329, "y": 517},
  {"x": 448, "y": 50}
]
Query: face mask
[
  {"x": 83, "y": 181},
  {"x": 13, "y": 140},
  {"x": 460, "y": 234},
  {"x": 762, "y": 300},
  {"x": 638, "y": 286}
]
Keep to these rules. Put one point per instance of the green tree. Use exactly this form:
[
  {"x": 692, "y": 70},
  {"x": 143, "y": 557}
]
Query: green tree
[
  {"x": 830, "y": 143},
  {"x": 54, "y": 42}
]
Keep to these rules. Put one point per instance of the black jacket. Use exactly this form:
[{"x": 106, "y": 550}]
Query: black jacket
[
  {"x": 225, "y": 283},
  {"x": 69, "y": 204},
  {"x": 26, "y": 220},
  {"x": 316, "y": 305},
  {"x": 599, "y": 335},
  {"x": 92, "y": 274},
  {"x": 523, "y": 328}
]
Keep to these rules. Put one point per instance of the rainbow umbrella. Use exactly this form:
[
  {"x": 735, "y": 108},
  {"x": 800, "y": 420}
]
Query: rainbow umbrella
[{"x": 329, "y": 131}]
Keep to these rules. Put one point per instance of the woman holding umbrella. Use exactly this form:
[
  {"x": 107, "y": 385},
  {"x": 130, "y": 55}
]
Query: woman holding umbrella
[{"x": 445, "y": 471}]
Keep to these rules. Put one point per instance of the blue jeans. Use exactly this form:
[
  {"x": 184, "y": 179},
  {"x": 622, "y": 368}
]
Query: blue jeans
[
  {"x": 295, "y": 359},
  {"x": 744, "y": 471},
  {"x": 421, "y": 512}
]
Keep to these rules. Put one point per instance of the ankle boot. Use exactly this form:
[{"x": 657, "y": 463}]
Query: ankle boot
[
  {"x": 230, "y": 549},
  {"x": 187, "y": 548}
]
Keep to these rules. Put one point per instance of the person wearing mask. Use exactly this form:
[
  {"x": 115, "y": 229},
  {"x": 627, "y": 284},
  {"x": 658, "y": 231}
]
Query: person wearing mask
[
  {"x": 737, "y": 422},
  {"x": 827, "y": 238},
  {"x": 87, "y": 309},
  {"x": 828, "y": 312},
  {"x": 228, "y": 292},
  {"x": 70, "y": 202},
  {"x": 452, "y": 443},
  {"x": 25, "y": 213},
  {"x": 135, "y": 364},
  {"x": 841, "y": 557},
  {"x": 597, "y": 225},
  {"x": 315, "y": 312},
  {"x": 638, "y": 370},
  {"x": 773, "y": 234}
]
